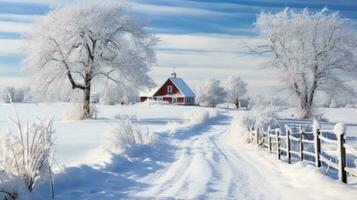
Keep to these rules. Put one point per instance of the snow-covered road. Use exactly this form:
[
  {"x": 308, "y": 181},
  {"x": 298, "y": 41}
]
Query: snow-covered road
[
  {"x": 201, "y": 162},
  {"x": 207, "y": 168}
]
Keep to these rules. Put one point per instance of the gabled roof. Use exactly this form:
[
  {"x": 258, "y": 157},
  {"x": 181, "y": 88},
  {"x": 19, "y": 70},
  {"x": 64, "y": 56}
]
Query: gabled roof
[{"x": 182, "y": 86}]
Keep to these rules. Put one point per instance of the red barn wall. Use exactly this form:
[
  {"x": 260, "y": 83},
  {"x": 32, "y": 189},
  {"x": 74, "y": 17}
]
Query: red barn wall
[
  {"x": 163, "y": 90},
  {"x": 180, "y": 100}
]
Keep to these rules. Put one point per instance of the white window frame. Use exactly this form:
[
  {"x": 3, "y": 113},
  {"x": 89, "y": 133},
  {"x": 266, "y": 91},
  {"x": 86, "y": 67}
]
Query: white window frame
[{"x": 169, "y": 89}]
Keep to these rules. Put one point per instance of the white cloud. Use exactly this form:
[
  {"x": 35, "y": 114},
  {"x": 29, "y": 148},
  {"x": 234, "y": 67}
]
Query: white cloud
[
  {"x": 9, "y": 69},
  {"x": 18, "y": 17},
  {"x": 13, "y": 27},
  {"x": 11, "y": 46},
  {"x": 174, "y": 10},
  {"x": 205, "y": 42},
  {"x": 28, "y": 1}
]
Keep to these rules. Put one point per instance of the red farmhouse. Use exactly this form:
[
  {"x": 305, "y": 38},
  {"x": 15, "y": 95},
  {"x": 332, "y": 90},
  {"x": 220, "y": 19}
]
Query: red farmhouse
[{"x": 174, "y": 91}]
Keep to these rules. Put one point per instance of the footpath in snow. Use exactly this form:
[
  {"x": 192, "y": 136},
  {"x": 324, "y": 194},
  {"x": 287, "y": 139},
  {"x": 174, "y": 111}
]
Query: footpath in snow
[{"x": 205, "y": 161}]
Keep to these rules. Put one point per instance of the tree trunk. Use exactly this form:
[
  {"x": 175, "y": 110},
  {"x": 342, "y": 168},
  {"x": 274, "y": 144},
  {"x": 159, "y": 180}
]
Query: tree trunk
[
  {"x": 86, "y": 111},
  {"x": 237, "y": 103}
]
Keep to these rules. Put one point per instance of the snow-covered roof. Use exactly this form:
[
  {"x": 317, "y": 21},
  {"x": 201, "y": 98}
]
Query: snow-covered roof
[{"x": 183, "y": 87}]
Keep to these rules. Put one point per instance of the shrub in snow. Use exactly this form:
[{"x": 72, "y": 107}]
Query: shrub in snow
[
  {"x": 210, "y": 93},
  {"x": 26, "y": 154},
  {"x": 16, "y": 94},
  {"x": 73, "y": 112},
  {"x": 264, "y": 116},
  {"x": 119, "y": 94},
  {"x": 125, "y": 134},
  {"x": 240, "y": 129}
]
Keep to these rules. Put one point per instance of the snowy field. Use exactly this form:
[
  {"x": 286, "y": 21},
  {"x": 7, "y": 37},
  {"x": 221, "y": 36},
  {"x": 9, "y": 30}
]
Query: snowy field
[
  {"x": 74, "y": 139},
  {"x": 195, "y": 157}
]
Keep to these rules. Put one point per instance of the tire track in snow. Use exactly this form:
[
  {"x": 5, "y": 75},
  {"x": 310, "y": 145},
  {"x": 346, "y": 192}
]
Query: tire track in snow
[{"x": 206, "y": 168}]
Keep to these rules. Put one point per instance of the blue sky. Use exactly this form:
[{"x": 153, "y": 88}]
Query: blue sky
[{"x": 200, "y": 38}]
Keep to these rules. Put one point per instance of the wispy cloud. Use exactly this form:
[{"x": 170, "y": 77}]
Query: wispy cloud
[
  {"x": 13, "y": 27},
  {"x": 205, "y": 42},
  {"x": 174, "y": 10},
  {"x": 11, "y": 47},
  {"x": 18, "y": 17}
]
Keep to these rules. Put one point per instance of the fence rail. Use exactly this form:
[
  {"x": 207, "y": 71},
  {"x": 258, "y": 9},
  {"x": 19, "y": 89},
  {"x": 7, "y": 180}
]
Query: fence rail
[{"x": 282, "y": 145}]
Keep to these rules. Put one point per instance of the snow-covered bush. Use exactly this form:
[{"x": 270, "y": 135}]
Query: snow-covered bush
[
  {"x": 240, "y": 129},
  {"x": 16, "y": 94},
  {"x": 119, "y": 94},
  {"x": 73, "y": 112},
  {"x": 125, "y": 134},
  {"x": 264, "y": 116},
  {"x": 210, "y": 93},
  {"x": 26, "y": 154}
]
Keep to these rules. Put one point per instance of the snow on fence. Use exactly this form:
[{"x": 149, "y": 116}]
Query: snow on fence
[{"x": 280, "y": 143}]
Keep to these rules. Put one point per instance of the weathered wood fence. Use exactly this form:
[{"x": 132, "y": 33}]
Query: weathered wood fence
[{"x": 275, "y": 141}]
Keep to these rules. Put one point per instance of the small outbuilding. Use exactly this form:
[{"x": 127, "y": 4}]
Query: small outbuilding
[{"x": 174, "y": 91}]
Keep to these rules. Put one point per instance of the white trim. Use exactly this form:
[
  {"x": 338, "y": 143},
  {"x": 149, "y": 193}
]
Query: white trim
[{"x": 169, "y": 89}]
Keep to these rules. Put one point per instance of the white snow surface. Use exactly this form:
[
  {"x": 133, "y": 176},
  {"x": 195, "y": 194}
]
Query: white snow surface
[{"x": 199, "y": 155}]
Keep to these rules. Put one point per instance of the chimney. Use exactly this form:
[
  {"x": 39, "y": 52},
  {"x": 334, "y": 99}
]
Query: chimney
[{"x": 173, "y": 74}]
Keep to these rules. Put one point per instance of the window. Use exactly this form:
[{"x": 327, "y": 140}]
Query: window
[{"x": 169, "y": 89}]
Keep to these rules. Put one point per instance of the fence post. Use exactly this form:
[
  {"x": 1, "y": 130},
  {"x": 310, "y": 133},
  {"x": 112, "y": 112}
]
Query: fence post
[
  {"x": 301, "y": 143},
  {"x": 257, "y": 136},
  {"x": 317, "y": 142},
  {"x": 340, "y": 132},
  {"x": 269, "y": 141},
  {"x": 277, "y": 142},
  {"x": 288, "y": 154}
]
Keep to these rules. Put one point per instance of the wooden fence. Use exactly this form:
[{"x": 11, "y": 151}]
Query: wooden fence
[{"x": 275, "y": 141}]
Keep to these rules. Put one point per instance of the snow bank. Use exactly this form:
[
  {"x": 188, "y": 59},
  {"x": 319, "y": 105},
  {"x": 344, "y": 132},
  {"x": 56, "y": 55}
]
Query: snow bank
[
  {"x": 239, "y": 129},
  {"x": 154, "y": 102},
  {"x": 12, "y": 186},
  {"x": 192, "y": 119}
]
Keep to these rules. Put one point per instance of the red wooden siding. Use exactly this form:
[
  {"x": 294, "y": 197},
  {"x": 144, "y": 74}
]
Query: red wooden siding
[
  {"x": 168, "y": 99},
  {"x": 180, "y": 100},
  {"x": 163, "y": 90}
]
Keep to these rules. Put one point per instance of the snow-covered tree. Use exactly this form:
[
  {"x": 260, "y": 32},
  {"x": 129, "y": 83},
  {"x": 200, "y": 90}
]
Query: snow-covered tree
[
  {"x": 115, "y": 94},
  {"x": 21, "y": 94},
  {"x": 76, "y": 46},
  {"x": 210, "y": 93},
  {"x": 235, "y": 88},
  {"x": 311, "y": 49}
]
